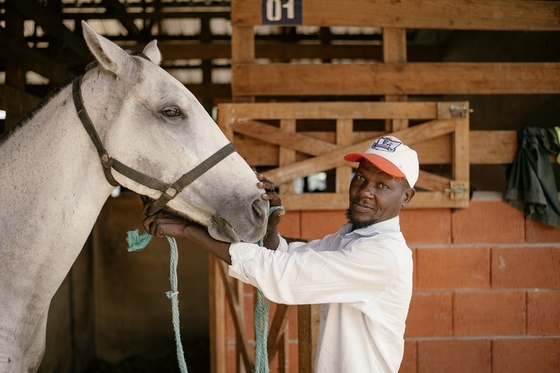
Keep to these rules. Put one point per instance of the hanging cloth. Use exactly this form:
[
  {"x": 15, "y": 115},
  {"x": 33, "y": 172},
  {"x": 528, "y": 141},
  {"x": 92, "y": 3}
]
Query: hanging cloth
[{"x": 530, "y": 185}]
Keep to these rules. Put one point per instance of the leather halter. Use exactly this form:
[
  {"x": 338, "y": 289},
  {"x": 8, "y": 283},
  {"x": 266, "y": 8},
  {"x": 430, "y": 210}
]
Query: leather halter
[{"x": 168, "y": 191}]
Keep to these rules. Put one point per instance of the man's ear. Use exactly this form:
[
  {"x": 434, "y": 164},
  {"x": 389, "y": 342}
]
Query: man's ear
[{"x": 408, "y": 194}]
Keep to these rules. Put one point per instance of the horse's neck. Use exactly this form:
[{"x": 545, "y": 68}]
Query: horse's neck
[{"x": 53, "y": 186}]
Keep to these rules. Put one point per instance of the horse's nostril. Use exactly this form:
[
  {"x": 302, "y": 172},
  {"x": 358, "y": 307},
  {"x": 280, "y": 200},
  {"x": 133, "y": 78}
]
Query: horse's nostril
[{"x": 260, "y": 208}]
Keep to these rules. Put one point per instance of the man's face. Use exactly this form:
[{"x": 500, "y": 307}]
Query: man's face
[{"x": 375, "y": 196}]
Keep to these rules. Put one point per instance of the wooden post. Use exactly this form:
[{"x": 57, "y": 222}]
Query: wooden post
[
  {"x": 308, "y": 331},
  {"x": 394, "y": 51},
  {"x": 218, "y": 352}
]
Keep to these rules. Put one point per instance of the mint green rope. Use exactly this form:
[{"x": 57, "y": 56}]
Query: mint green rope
[
  {"x": 262, "y": 309},
  {"x": 139, "y": 242}
]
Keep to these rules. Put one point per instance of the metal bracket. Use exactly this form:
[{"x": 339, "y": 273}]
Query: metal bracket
[
  {"x": 458, "y": 190},
  {"x": 458, "y": 110}
]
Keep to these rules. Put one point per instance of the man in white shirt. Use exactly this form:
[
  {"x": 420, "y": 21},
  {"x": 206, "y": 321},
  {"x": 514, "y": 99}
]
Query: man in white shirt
[{"x": 361, "y": 275}]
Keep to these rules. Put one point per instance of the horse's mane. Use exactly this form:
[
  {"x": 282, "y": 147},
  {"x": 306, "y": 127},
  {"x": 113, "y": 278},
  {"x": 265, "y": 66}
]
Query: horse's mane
[
  {"x": 29, "y": 116},
  {"x": 36, "y": 109}
]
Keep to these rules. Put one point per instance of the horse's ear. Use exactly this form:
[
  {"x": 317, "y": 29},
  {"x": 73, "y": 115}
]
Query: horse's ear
[
  {"x": 152, "y": 52},
  {"x": 110, "y": 55}
]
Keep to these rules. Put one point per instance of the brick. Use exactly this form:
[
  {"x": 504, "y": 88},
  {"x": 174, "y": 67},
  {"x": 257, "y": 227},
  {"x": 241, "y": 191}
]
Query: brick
[
  {"x": 453, "y": 268},
  {"x": 290, "y": 224},
  {"x": 457, "y": 356},
  {"x": 430, "y": 314},
  {"x": 488, "y": 222},
  {"x": 487, "y": 313},
  {"x": 408, "y": 364},
  {"x": 426, "y": 225},
  {"x": 317, "y": 224},
  {"x": 543, "y": 312},
  {"x": 525, "y": 355},
  {"x": 525, "y": 267},
  {"x": 538, "y": 232}
]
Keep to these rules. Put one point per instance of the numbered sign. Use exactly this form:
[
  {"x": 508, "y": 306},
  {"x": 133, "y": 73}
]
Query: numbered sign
[{"x": 281, "y": 12}]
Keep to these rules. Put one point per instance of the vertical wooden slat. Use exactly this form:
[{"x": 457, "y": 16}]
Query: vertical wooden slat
[
  {"x": 242, "y": 51},
  {"x": 344, "y": 129},
  {"x": 394, "y": 51},
  {"x": 461, "y": 164},
  {"x": 238, "y": 292},
  {"x": 308, "y": 331},
  {"x": 287, "y": 156},
  {"x": 218, "y": 352}
]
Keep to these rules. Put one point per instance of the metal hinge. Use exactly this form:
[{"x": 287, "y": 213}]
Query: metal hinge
[
  {"x": 458, "y": 190},
  {"x": 458, "y": 110}
]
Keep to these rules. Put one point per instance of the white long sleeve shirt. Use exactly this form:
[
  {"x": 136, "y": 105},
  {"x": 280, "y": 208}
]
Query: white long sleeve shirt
[{"x": 361, "y": 278}]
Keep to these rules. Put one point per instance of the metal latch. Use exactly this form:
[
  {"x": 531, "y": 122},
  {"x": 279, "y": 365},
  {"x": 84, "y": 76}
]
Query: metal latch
[
  {"x": 458, "y": 190},
  {"x": 458, "y": 110}
]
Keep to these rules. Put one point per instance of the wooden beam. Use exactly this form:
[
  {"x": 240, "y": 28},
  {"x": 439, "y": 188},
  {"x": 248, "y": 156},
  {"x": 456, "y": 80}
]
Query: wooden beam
[
  {"x": 276, "y": 333},
  {"x": 118, "y": 10},
  {"x": 16, "y": 103},
  {"x": 396, "y": 79},
  {"x": 29, "y": 59},
  {"x": 526, "y": 15},
  {"x": 335, "y": 110},
  {"x": 339, "y": 201},
  {"x": 53, "y": 25}
]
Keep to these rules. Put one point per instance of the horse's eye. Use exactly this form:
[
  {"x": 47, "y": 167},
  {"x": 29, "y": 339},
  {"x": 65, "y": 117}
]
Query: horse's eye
[{"x": 171, "y": 112}]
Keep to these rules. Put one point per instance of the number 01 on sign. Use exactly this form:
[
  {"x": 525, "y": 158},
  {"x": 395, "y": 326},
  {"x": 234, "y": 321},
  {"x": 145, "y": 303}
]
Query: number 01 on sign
[{"x": 281, "y": 12}]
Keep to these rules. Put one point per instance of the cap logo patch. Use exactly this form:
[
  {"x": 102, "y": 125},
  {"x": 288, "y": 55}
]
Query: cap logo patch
[{"x": 386, "y": 143}]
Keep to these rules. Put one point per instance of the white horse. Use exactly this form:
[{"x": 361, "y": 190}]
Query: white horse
[{"x": 53, "y": 184}]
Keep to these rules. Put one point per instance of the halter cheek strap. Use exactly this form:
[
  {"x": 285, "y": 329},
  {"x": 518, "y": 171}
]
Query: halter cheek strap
[{"x": 168, "y": 191}]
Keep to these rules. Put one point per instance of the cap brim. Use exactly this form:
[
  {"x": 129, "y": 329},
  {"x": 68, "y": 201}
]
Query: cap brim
[{"x": 382, "y": 163}]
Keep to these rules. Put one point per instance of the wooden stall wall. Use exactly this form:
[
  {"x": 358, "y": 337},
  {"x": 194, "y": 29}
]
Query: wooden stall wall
[{"x": 486, "y": 284}]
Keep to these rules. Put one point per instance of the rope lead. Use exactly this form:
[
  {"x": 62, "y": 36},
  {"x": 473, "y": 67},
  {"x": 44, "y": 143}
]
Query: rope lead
[{"x": 138, "y": 242}]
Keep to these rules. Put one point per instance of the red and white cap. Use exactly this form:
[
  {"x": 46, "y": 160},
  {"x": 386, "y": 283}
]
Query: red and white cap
[{"x": 390, "y": 155}]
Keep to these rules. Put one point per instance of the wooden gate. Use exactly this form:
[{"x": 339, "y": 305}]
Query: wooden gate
[{"x": 268, "y": 135}]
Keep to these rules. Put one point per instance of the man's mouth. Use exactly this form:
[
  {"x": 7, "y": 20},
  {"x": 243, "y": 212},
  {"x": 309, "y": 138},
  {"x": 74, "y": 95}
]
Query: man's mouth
[{"x": 359, "y": 207}]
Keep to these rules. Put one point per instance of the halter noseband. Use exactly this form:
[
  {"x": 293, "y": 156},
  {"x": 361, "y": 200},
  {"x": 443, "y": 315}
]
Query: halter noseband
[{"x": 168, "y": 191}]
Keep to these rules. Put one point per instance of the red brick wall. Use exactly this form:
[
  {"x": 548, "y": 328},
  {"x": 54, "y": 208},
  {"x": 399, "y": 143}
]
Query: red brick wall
[{"x": 486, "y": 289}]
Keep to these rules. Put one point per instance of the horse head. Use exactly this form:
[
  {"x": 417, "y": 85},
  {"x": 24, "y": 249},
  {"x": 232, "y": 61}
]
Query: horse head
[{"x": 150, "y": 122}]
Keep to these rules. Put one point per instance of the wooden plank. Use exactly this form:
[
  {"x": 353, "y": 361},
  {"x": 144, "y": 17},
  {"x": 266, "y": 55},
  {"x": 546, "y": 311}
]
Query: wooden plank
[
  {"x": 525, "y": 15},
  {"x": 237, "y": 317},
  {"x": 394, "y": 51},
  {"x": 217, "y": 311},
  {"x": 339, "y": 201},
  {"x": 331, "y": 110},
  {"x": 396, "y": 79},
  {"x": 277, "y": 136},
  {"x": 242, "y": 51},
  {"x": 344, "y": 129},
  {"x": 432, "y": 182},
  {"x": 276, "y": 333},
  {"x": 286, "y": 155},
  {"x": 308, "y": 330},
  {"x": 335, "y": 158}
]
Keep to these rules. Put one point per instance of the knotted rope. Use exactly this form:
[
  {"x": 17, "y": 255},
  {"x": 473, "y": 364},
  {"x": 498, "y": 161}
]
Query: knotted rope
[{"x": 137, "y": 242}]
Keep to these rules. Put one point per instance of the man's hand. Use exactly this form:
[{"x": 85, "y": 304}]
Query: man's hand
[
  {"x": 271, "y": 239},
  {"x": 164, "y": 224}
]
